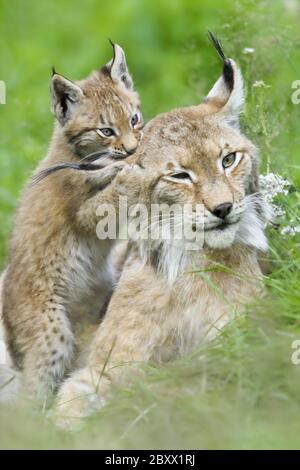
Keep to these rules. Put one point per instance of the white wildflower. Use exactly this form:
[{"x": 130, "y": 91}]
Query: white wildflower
[
  {"x": 290, "y": 230},
  {"x": 271, "y": 185},
  {"x": 248, "y": 50},
  {"x": 277, "y": 212},
  {"x": 260, "y": 84}
]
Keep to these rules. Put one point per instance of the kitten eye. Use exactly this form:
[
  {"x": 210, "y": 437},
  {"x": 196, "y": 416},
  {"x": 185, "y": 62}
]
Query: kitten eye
[
  {"x": 181, "y": 176},
  {"x": 107, "y": 131},
  {"x": 229, "y": 160},
  {"x": 134, "y": 120}
]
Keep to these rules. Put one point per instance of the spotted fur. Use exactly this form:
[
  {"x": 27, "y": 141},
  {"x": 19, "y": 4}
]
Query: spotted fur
[
  {"x": 171, "y": 299},
  {"x": 58, "y": 279}
]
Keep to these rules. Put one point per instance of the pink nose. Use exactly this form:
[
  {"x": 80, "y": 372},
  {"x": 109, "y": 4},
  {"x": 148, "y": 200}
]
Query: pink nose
[{"x": 130, "y": 149}]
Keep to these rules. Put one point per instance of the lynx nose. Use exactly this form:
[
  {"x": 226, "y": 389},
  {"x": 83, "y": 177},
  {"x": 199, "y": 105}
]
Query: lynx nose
[
  {"x": 222, "y": 210},
  {"x": 129, "y": 144},
  {"x": 130, "y": 151}
]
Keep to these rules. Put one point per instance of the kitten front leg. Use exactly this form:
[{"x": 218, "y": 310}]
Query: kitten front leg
[
  {"x": 120, "y": 179},
  {"x": 104, "y": 176},
  {"x": 49, "y": 354},
  {"x": 41, "y": 342},
  {"x": 103, "y": 193}
]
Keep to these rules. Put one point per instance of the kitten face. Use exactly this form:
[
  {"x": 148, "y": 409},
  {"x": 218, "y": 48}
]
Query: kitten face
[
  {"x": 108, "y": 118},
  {"x": 101, "y": 112}
]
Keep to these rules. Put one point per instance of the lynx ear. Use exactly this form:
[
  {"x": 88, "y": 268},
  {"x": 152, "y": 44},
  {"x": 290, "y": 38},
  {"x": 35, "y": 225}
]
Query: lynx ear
[
  {"x": 227, "y": 95},
  {"x": 65, "y": 96},
  {"x": 118, "y": 68}
]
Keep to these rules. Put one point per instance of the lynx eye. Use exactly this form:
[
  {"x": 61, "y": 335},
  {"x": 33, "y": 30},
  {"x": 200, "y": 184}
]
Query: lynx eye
[
  {"x": 229, "y": 160},
  {"x": 134, "y": 120},
  {"x": 106, "y": 131},
  {"x": 181, "y": 176}
]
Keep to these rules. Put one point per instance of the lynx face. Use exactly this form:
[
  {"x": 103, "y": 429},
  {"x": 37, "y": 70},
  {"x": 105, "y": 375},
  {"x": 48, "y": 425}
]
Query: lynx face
[
  {"x": 99, "y": 113},
  {"x": 210, "y": 168},
  {"x": 198, "y": 157}
]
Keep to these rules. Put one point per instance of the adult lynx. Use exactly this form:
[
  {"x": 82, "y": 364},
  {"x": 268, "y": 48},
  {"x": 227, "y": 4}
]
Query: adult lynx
[{"x": 162, "y": 308}]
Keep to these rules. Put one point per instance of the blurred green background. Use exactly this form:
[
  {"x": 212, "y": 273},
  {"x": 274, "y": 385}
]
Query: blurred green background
[{"x": 242, "y": 391}]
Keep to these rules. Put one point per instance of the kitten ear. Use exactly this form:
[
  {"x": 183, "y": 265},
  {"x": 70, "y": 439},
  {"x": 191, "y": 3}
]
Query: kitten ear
[
  {"x": 65, "y": 96},
  {"x": 118, "y": 68},
  {"x": 227, "y": 95}
]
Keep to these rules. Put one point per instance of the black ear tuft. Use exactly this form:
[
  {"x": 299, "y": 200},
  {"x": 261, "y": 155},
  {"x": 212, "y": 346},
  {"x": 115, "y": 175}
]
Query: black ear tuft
[
  {"x": 117, "y": 67},
  {"x": 228, "y": 73},
  {"x": 53, "y": 70},
  {"x": 114, "y": 51},
  {"x": 217, "y": 45}
]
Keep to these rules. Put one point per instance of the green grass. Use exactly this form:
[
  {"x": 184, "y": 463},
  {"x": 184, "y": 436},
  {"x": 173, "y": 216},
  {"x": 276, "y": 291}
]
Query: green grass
[{"x": 242, "y": 391}]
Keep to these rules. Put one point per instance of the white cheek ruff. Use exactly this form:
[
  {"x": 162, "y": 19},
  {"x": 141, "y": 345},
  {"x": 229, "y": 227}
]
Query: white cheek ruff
[
  {"x": 252, "y": 223},
  {"x": 248, "y": 231},
  {"x": 175, "y": 255},
  {"x": 173, "y": 260},
  {"x": 220, "y": 239}
]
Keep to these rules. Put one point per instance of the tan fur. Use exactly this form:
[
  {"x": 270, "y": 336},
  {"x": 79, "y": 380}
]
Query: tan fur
[
  {"x": 1, "y": 326},
  {"x": 152, "y": 317},
  {"x": 58, "y": 277},
  {"x": 4, "y": 351},
  {"x": 9, "y": 378}
]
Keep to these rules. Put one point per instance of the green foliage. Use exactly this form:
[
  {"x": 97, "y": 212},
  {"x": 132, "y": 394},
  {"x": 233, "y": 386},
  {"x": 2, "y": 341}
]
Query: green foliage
[{"x": 242, "y": 391}]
